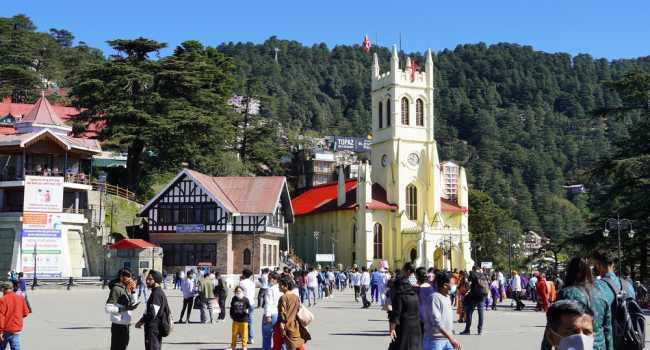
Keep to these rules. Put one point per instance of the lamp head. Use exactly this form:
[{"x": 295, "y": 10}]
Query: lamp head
[
  {"x": 605, "y": 233},
  {"x": 631, "y": 234}
]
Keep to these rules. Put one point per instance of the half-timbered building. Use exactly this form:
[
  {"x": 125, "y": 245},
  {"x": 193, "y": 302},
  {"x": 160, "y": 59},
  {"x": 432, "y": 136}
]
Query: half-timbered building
[{"x": 230, "y": 223}]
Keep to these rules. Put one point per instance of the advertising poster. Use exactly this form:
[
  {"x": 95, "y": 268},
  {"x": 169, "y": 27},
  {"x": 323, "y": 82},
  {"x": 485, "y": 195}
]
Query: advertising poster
[
  {"x": 49, "y": 252},
  {"x": 43, "y": 194}
]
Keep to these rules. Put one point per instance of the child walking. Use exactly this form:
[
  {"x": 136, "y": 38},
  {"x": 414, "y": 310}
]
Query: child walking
[{"x": 239, "y": 313}]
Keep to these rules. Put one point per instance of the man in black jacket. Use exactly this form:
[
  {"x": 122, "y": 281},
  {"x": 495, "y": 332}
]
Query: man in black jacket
[{"x": 152, "y": 317}]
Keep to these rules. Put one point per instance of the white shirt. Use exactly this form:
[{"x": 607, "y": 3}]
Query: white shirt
[
  {"x": 516, "y": 283},
  {"x": 249, "y": 290},
  {"x": 272, "y": 298},
  {"x": 312, "y": 279},
  {"x": 365, "y": 279},
  {"x": 356, "y": 279}
]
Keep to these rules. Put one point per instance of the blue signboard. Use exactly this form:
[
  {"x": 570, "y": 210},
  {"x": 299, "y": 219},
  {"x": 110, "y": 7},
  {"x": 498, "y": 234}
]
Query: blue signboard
[
  {"x": 355, "y": 144},
  {"x": 189, "y": 228}
]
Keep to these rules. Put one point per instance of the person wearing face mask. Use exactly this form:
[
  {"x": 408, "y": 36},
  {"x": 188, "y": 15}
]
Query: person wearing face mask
[
  {"x": 569, "y": 325},
  {"x": 580, "y": 288},
  {"x": 239, "y": 309}
]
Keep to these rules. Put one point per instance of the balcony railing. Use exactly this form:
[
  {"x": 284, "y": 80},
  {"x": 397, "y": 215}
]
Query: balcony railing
[{"x": 79, "y": 178}]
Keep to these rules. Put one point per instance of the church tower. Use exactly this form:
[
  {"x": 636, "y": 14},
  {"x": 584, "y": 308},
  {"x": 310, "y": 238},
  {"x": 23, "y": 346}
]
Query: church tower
[{"x": 404, "y": 154}]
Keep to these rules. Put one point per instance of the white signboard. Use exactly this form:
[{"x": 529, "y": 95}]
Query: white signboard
[
  {"x": 486, "y": 265},
  {"x": 325, "y": 257},
  {"x": 49, "y": 253},
  {"x": 43, "y": 194}
]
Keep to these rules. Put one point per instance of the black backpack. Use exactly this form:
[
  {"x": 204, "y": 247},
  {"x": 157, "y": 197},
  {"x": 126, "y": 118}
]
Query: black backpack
[
  {"x": 166, "y": 320},
  {"x": 628, "y": 321},
  {"x": 480, "y": 286}
]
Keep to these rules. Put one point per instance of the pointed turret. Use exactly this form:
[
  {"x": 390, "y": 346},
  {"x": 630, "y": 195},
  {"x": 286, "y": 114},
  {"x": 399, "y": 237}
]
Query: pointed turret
[
  {"x": 394, "y": 63},
  {"x": 428, "y": 66},
  {"x": 375, "y": 66},
  {"x": 42, "y": 116}
]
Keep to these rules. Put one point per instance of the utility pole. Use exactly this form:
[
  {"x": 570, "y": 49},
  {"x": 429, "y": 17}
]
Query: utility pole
[{"x": 35, "y": 280}]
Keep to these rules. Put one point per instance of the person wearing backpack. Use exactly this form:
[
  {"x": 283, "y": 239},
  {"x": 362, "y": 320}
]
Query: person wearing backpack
[
  {"x": 156, "y": 315},
  {"x": 628, "y": 320},
  {"x": 579, "y": 286},
  {"x": 475, "y": 299}
]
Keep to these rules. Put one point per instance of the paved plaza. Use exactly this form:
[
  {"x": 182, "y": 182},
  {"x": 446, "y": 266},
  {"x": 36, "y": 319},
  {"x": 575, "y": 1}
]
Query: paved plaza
[{"x": 75, "y": 320}]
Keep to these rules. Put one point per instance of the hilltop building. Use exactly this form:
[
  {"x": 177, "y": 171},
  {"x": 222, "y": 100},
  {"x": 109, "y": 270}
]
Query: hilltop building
[{"x": 405, "y": 204}]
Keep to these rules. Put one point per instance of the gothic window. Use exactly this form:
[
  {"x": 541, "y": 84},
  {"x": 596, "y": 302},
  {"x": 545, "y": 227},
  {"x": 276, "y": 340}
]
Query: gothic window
[
  {"x": 411, "y": 202},
  {"x": 381, "y": 116},
  {"x": 388, "y": 113},
  {"x": 247, "y": 256},
  {"x": 419, "y": 112},
  {"x": 414, "y": 254},
  {"x": 378, "y": 241},
  {"x": 405, "y": 111}
]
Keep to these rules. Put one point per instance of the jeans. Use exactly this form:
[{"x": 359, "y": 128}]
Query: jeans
[
  {"x": 304, "y": 294},
  {"x": 364, "y": 296},
  {"x": 517, "y": 297},
  {"x": 356, "y": 293},
  {"x": 427, "y": 342},
  {"x": 119, "y": 336},
  {"x": 11, "y": 339},
  {"x": 261, "y": 301},
  {"x": 142, "y": 290},
  {"x": 267, "y": 331},
  {"x": 470, "y": 305},
  {"x": 206, "y": 304},
  {"x": 374, "y": 292},
  {"x": 187, "y": 305},
  {"x": 250, "y": 323},
  {"x": 312, "y": 291},
  {"x": 441, "y": 344},
  {"x": 222, "y": 307},
  {"x": 152, "y": 339}
]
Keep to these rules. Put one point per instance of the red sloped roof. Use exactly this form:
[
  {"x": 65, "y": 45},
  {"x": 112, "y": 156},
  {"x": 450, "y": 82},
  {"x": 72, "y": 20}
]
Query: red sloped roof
[
  {"x": 451, "y": 207},
  {"x": 323, "y": 198},
  {"x": 65, "y": 114},
  {"x": 42, "y": 113},
  {"x": 132, "y": 244}
]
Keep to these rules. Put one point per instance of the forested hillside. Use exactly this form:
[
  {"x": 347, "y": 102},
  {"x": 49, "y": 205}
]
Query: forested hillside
[{"x": 525, "y": 123}]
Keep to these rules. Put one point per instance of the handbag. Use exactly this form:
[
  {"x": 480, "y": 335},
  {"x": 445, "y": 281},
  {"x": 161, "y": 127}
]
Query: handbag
[
  {"x": 305, "y": 316},
  {"x": 197, "y": 303}
]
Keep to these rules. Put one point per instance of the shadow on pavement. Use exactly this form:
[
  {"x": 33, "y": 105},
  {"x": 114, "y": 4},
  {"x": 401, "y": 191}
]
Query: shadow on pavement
[{"x": 84, "y": 327}]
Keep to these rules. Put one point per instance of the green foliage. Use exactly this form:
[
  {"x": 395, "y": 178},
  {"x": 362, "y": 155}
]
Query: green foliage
[
  {"x": 119, "y": 214},
  {"x": 30, "y": 58},
  {"x": 489, "y": 226},
  {"x": 165, "y": 113}
]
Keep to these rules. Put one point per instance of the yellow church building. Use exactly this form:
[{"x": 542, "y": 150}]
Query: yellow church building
[{"x": 405, "y": 205}]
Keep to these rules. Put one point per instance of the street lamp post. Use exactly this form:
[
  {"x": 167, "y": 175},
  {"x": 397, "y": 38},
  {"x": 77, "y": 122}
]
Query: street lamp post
[
  {"x": 510, "y": 246},
  {"x": 316, "y": 235},
  {"x": 618, "y": 224},
  {"x": 106, "y": 258},
  {"x": 35, "y": 280}
]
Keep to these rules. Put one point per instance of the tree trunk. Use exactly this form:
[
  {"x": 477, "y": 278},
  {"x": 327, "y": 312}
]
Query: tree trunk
[
  {"x": 133, "y": 166},
  {"x": 643, "y": 268}
]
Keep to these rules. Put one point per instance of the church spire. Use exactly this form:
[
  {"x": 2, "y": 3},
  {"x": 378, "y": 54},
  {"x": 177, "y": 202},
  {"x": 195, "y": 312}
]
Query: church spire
[
  {"x": 428, "y": 66},
  {"x": 394, "y": 63}
]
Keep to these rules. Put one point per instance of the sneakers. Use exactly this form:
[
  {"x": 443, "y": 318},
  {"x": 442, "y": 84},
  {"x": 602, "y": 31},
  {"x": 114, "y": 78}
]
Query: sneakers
[{"x": 465, "y": 332}]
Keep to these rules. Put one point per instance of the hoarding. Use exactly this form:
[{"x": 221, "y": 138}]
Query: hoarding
[
  {"x": 48, "y": 245},
  {"x": 189, "y": 228},
  {"x": 355, "y": 144},
  {"x": 325, "y": 257},
  {"x": 43, "y": 194}
]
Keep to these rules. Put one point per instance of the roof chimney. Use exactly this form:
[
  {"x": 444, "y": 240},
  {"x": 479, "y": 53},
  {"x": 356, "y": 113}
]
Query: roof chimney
[{"x": 340, "y": 190}]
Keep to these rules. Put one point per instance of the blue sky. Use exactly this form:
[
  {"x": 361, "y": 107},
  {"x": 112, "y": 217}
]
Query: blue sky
[{"x": 611, "y": 29}]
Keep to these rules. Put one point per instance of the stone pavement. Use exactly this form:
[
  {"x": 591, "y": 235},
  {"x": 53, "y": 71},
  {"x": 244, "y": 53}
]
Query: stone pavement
[{"x": 75, "y": 320}]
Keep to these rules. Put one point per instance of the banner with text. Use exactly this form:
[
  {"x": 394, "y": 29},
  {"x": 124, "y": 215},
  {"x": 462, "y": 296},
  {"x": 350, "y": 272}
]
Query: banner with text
[
  {"x": 43, "y": 194},
  {"x": 48, "y": 245}
]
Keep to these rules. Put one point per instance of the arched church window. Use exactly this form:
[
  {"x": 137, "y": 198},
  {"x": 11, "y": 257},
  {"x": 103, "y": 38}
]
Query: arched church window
[
  {"x": 419, "y": 112},
  {"x": 388, "y": 113},
  {"x": 381, "y": 115},
  {"x": 378, "y": 241},
  {"x": 405, "y": 111},
  {"x": 414, "y": 254},
  {"x": 411, "y": 202},
  {"x": 247, "y": 256}
]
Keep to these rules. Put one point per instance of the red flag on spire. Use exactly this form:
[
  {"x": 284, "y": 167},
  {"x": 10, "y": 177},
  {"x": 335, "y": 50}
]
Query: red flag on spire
[{"x": 366, "y": 44}]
